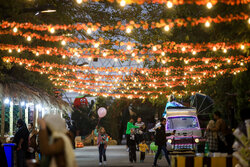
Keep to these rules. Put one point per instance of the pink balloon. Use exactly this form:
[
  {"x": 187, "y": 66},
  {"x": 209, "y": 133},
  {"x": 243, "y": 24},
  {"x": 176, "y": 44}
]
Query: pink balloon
[{"x": 102, "y": 112}]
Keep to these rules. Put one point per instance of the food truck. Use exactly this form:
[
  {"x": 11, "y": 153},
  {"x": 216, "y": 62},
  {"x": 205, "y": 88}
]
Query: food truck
[{"x": 184, "y": 122}]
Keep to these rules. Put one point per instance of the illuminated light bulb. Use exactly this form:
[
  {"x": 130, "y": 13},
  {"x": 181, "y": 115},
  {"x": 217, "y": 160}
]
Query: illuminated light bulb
[
  {"x": 214, "y": 48},
  {"x": 15, "y": 29},
  {"x": 248, "y": 21},
  {"x": 169, "y": 4},
  {"x": 89, "y": 31},
  {"x": 154, "y": 48},
  {"x": 10, "y": 51},
  {"x": 123, "y": 3},
  {"x": 73, "y": 70},
  {"x": 166, "y": 28},
  {"x": 191, "y": 69},
  {"x": 50, "y": 68},
  {"x": 224, "y": 50},
  {"x": 28, "y": 38},
  {"x": 129, "y": 47},
  {"x": 63, "y": 42},
  {"x": 162, "y": 53},
  {"x": 133, "y": 54},
  {"x": 37, "y": 53},
  {"x": 115, "y": 59},
  {"x": 194, "y": 52},
  {"x": 63, "y": 56},
  {"x": 47, "y": 52},
  {"x": 89, "y": 58},
  {"x": 128, "y": 30},
  {"x": 234, "y": 73},
  {"x": 206, "y": 61},
  {"x": 65, "y": 69},
  {"x": 228, "y": 61},
  {"x": 185, "y": 73},
  {"x": 216, "y": 67},
  {"x": 52, "y": 30},
  {"x": 79, "y": 1},
  {"x": 96, "y": 45},
  {"x": 186, "y": 61},
  {"x": 183, "y": 49},
  {"x": 104, "y": 54},
  {"x": 21, "y": 63},
  {"x": 7, "y": 61},
  {"x": 163, "y": 62},
  {"x": 41, "y": 72},
  {"x": 209, "y": 5},
  {"x": 207, "y": 24},
  {"x": 241, "y": 63},
  {"x": 18, "y": 50},
  {"x": 242, "y": 47}
]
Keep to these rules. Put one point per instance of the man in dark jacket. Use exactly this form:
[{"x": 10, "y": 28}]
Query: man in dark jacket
[
  {"x": 160, "y": 141},
  {"x": 21, "y": 139}
]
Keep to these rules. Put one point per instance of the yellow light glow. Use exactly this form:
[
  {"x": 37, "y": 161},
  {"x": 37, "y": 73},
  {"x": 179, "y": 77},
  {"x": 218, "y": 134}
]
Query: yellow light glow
[
  {"x": 207, "y": 24},
  {"x": 128, "y": 30},
  {"x": 37, "y": 53},
  {"x": 15, "y": 29},
  {"x": 52, "y": 30},
  {"x": 214, "y": 48},
  {"x": 154, "y": 48},
  {"x": 169, "y": 4},
  {"x": 18, "y": 50},
  {"x": 89, "y": 31},
  {"x": 104, "y": 54},
  {"x": 79, "y": 1},
  {"x": 96, "y": 45},
  {"x": 241, "y": 63},
  {"x": 224, "y": 50},
  {"x": 242, "y": 47},
  {"x": 249, "y": 21},
  {"x": 28, "y": 38},
  {"x": 209, "y": 5},
  {"x": 129, "y": 47},
  {"x": 63, "y": 42},
  {"x": 228, "y": 61},
  {"x": 133, "y": 54},
  {"x": 47, "y": 52},
  {"x": 166, "y": 28},
  {"x": 183, "y": 49},
  {"x": 63, "y": 56},
  {"x": 10, "y": 51},
  {"x": 123, "y": 3},
  {"x": 194, "y": 52}
]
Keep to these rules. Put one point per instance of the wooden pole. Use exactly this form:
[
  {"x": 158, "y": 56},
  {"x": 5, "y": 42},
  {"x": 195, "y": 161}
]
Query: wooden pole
[{"x": 2, "y": 118}]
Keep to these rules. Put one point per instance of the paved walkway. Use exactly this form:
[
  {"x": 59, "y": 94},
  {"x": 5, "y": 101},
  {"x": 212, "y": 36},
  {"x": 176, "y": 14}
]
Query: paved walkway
[{"x": 116, "y": 156}]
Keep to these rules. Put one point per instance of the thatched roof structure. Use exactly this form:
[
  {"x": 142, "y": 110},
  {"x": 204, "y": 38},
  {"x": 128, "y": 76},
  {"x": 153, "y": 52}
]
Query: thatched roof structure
[{"x": 20, "y": 91}]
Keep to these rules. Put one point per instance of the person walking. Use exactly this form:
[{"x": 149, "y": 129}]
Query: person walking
[
  {"x": 132, "y": 146},
  {"x": 32, "y": 142},
  {"x": 21, "y": 139},
  {"x": 160, "y": 141},
  {"x": 102, "y": 142},
  {"x": 143, "y": 147},
  {"x": 55, "y": 146},
  {"x": 139, "y": 130},
  {"x": 130, "y": 125},
  {"x": 222, "y": 132},
  {"x": 211, "y": 137}
]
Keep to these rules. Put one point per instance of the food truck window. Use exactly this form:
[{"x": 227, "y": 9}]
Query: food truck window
[{"x": 182, "y": 122}]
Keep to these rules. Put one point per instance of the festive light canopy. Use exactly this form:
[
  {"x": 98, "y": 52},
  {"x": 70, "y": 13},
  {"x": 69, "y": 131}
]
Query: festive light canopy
[{"x": 150, "y": 69}]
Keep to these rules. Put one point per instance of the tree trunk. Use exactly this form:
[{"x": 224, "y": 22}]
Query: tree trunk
[{"x": 2, "y": 118}]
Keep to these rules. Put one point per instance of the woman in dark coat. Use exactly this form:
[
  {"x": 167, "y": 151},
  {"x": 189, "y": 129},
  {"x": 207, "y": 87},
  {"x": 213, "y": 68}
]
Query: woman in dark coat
[{"x": 160, "y": 141}]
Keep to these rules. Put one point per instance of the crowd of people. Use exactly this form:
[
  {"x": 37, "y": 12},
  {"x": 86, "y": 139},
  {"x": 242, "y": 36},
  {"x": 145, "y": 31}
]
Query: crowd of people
[
  {"x": 51, "y": 146},
  {"x": 54, "y": 143}
]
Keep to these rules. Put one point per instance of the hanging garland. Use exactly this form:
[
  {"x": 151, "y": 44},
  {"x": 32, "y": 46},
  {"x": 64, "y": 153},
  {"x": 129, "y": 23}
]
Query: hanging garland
[{"x": 92, "y": 27}]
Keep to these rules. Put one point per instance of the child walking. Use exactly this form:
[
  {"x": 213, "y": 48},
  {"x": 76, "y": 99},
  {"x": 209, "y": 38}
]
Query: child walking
[
  {"x": 143, "y": 147},
  {"x": 102, "y": 142},
  {"x": 132, "y": 146}
]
